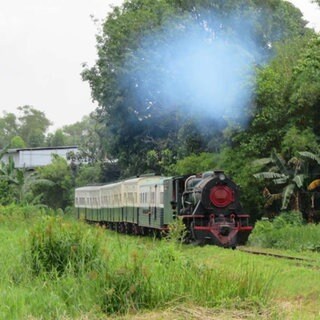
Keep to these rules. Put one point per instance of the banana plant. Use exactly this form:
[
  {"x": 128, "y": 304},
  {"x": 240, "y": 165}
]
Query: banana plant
[
  {"x": 311, "y": 157},
  {"x": 289, "y": 176},
  {"x": 22, "y": 181}
]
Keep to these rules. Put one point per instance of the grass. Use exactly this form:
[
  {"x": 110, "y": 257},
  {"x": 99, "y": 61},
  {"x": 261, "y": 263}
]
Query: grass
[{"x": 119, "y": 276}]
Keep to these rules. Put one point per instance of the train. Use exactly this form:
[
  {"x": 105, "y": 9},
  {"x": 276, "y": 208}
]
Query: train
[{"x": 208, "y": 204}]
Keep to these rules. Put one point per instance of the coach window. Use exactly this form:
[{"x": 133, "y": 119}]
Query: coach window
[
  {"x": 161, "y": 197},
  {"x": 130, "y": 195},
  {"x": 152, "y": 198}
]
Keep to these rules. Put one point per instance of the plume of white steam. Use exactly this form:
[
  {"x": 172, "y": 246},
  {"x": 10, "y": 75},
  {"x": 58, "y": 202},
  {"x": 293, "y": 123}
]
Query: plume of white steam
[{"x": 205, "y": 72}]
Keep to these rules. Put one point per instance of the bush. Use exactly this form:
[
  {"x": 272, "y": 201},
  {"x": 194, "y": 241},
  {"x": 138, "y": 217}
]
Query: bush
[
  {"x": 57, "y": 245},
  {"x": 287, "y": 231}
]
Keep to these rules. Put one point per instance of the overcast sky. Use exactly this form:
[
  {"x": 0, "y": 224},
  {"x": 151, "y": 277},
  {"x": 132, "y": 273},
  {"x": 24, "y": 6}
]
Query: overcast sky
[{"x": 43, "y": 44}]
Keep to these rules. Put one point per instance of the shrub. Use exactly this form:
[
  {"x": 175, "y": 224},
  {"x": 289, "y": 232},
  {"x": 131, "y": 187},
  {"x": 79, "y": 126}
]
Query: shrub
[
  {"x": 287, "y": 231},
  {"x": 177, "y": 232},
  {"x": 57, "y": 245}
]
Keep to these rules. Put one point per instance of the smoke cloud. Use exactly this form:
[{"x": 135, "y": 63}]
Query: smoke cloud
[{"x": 205, "y": 71}]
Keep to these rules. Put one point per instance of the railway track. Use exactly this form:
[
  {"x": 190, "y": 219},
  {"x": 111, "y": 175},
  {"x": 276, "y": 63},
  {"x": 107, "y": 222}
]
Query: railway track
[{"x": 299, "y": 261}]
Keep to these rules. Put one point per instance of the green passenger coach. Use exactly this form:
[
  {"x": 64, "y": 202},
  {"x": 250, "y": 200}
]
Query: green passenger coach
[{"x": 132, "y": 206}]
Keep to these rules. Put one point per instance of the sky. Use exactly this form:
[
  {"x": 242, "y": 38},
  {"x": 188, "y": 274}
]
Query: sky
[{"x": 43, "y": 44}]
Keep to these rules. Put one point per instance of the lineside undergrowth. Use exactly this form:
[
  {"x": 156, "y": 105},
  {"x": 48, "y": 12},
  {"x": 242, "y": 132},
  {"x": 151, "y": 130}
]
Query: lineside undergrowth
[
  {"x": 63, "y": 268},
  {"x": 288, "y": 232}
]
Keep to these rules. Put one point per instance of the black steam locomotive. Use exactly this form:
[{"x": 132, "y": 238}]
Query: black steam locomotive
[{"x": 208, "y": 204}]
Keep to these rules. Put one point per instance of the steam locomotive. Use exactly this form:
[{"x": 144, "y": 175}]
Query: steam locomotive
[{"x": 208, "y": 204}]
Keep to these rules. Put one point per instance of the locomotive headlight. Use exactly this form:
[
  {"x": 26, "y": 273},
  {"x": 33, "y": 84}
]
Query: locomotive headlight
[{"x": 222, "y": 177}]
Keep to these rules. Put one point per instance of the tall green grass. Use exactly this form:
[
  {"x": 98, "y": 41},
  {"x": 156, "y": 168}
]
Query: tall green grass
[
  {"x": 57, "y": 246},
  {"x": 54, "y": 268},
  {"x": 288, "y": 232},
  {"x": 127, "y": 276}
]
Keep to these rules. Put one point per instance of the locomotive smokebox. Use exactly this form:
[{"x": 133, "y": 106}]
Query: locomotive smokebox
[{"x": 216, "y": 192}]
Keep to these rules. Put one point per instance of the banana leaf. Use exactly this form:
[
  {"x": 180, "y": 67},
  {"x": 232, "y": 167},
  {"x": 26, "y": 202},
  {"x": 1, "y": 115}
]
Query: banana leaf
[
  {"x": 269, "y": 175},
  {"x": 280, "y": 163},
  {"x": 310, "y": 155},
  {"x": 299, "y": 179},
  {"x": 286, "y": 195}
]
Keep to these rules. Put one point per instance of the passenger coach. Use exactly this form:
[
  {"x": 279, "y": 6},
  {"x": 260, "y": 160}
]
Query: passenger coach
[{"x": 134, "y": 205}]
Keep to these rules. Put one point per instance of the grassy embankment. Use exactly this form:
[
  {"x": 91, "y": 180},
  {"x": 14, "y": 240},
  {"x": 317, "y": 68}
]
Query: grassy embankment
[{"x": 52, "y": 268}]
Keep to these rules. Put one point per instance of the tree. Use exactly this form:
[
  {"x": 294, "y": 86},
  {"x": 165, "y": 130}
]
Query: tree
[
  {"x": 6, "y": 190},
  {"x": 88, "y": 135},
  {"x": 56, "y": 139},
  {"x": 196, "y": 164},
  {"x": 273, "y": 118},
  {"x": 8, "y": 128},
  {"x": 17, "y": 142},
  {"x": 295, "y": 141},
  {"x": 88, "y": 174},
  {"x": 190, "y": 139},
  {"x": 305, "y": 88},
  {"x": 57, "y": 194},
  {"x": 33, "y": 126},
  {"x": 30, "y": 123},
  {"x": 140, "y": 79}
]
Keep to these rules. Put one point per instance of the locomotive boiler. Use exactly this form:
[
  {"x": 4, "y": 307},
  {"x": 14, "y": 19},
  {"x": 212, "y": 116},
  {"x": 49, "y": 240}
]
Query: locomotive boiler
[{"x": 208, "y": 204}]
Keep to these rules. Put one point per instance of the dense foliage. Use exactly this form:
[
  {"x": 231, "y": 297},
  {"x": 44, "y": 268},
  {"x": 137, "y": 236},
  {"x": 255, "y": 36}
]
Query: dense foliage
[
  {"x": 27, "y": 129},
  {"x": 134, "y": 76}
]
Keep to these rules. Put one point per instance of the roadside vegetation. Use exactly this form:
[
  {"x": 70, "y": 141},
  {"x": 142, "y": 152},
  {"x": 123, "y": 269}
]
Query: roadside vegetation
[
  {"x": 56, "y": 267},
  {"x": 287, "y": 231}
]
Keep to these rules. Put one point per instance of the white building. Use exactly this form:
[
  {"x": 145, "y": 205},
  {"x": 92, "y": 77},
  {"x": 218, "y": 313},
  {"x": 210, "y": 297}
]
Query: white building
[{"x": 30, "y": 158}]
